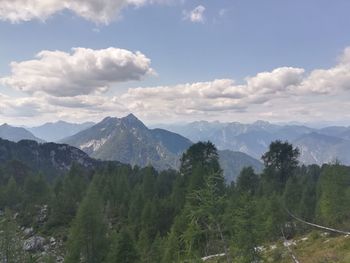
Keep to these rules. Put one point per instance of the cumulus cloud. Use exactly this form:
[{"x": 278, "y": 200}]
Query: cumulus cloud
[
  {"x": 82, "y": 72},
  {"x": 327, "y": 81},
  {"x": 99, "y": 11},
  {"x": 217, "y": 95},
  {"x": 264, "y": 94},
  {"x": 196, "y": 15},
  {"x": 277, "y": 95}
]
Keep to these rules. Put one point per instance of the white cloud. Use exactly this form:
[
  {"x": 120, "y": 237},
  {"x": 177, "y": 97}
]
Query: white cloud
[
  {"x": 99, "y": 11},
  {"x": 327, "y": 81},
  {"x": 282, "y": 94},
  {"x": 217, "y": 95},
  {"x": 85, "y": 71},
  {"x": 196, "y": 15}
]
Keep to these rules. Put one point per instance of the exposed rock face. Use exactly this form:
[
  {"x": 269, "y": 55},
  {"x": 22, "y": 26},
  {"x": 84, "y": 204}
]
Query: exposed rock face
[
  {"x": 34, "y": 243},
  {"x": 28, "y": 231}
]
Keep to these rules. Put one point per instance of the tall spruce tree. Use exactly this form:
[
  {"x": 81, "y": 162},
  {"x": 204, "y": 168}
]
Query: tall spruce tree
[{"x": 87, "y": 239}]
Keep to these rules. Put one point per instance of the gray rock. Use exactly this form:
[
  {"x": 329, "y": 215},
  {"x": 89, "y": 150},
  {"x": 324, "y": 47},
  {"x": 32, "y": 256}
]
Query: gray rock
[
  {"x": 34, "y": 243},
  {"x": 28, "y": 231},
  {"x": 42, "y": 217},
  {"x": 52, "y": 241}
]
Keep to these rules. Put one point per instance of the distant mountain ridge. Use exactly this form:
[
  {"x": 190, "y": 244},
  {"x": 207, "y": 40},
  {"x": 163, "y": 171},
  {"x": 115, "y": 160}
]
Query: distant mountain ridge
[
  {"x": 320, "y": 148},
  {"x": 56, "y": 131},
  {"x": 232, "y": 164},
  {"x": 16, "y": 134},
  {"x": 128, "y": 140},
  {"x": 254, "y": 139}
]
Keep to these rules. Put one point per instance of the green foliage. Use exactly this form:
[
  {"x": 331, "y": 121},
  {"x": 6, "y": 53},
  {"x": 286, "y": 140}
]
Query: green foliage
[
  {"x": 122, "y": 249},
  {"x": 67, "y": 195},
  {"x": 248, "y": 181},
  {"x": 245, "y": 229},
  {"x": 87, "y": 240},
  {"x": 12, "y": 194},
  {"x": 333, "y": 191},
  {"x": 10, "y": 240},
  {"x": 123, "y": 214},
  {"x": 280, "y": 162}
]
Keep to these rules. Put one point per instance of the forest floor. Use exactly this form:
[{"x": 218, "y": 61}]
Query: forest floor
[{"x": 316, "y": 247}]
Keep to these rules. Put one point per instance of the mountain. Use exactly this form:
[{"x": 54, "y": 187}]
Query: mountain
[
  {"x": 335, "y": 131},
  {"x": 252, "y": 139},
  {"x": 128, "y": 140},
  {"x": 56, "y": 131},
  {"x": 16, "y": 134},
  {"x": 233, "y": 162},
  {"x": 345, "y": 134},
  {"x": 318, "y": 148},
  {"x": 49, "y": 158}
]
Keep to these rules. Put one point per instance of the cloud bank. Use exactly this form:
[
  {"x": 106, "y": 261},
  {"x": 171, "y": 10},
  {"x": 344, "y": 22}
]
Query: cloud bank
[
  {"x": 82, "y": 72},
  {"x": 71, "y": 86}
]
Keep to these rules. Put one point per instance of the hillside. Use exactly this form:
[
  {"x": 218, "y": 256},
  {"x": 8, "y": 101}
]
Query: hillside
[
  {"x": 233, "y": 162},
  {"x": 49, "y": 158},
  {"x": 317, "y": 148},
  {"x": 16, "y": 134}
]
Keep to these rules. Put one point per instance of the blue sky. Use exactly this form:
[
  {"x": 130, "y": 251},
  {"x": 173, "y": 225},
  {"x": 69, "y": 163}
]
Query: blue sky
[{"x": 229, "y": 39}]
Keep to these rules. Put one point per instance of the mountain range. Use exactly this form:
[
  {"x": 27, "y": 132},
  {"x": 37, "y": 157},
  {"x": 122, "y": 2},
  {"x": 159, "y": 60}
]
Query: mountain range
[
  {"x": 317, "y": 146},
  {"x": 56, "y": 131},
  {"x": 128, "y": 140}
]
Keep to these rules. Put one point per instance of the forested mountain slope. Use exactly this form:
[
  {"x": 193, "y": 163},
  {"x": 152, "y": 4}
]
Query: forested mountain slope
[
  {"x": 117, "y": 213},
  {"x": 49, "y": 158}
]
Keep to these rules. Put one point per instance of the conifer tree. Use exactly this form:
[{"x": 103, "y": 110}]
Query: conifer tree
[
  {"x": 122, "y": 249},
  {"x": 87, "y": 239}
]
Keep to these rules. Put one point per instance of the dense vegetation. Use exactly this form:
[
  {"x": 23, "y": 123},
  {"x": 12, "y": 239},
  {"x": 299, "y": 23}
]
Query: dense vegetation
[{"x": 122, "y": 214}]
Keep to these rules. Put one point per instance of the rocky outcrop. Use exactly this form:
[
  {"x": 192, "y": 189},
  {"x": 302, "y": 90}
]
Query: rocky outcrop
[{"x": 34, "y": 243}]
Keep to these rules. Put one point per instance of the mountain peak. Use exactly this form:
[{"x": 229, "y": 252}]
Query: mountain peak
[
  {"x": 131, "y": 116},
  {"x": 261, "y": 123},
  {"x": 132, "y": 120}
]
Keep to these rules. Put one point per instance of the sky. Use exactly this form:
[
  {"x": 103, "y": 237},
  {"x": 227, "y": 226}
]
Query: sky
[{"x": 175, "y": 60}]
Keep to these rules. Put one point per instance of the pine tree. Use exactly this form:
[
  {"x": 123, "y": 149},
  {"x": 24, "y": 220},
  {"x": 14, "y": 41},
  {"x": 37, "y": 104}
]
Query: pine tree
[
  {"x": 281, "y": 160},
  {"x": 10, "y": 242},
  {"x": 87, "y": 240},
  {"x": 122, "y": 249},
  {"x": 247, "y": 181},
  {"x": 334, "y": 203},
  {"x": 245, "y": 224},
  {"x": 12, "y": 194},
  {"x": 205, "y": 208}
]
